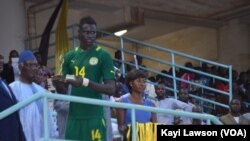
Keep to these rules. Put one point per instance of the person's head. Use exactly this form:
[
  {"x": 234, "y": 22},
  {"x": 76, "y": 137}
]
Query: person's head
[
  {"x": 87, "y": 32},
  {"x": 136, "y": 81},
  {"x": 13, "y": 55},
  {"x": 214, "y": 70},
  {"x": 204, "y": 67},
  {"x": 152, "y": 79},
  {"x": 38, "y": 57},
  {"x": 188, "y": 65},
  {"x": 1, "y": 63},
  {"x": 118, "y": 55},
  {"x": 235, "y": 107},
  {"x": 183, "y": 95},
  {"x": 160, "y": 90},
  {"x": 27, "y": 66},
  {"x": 223, "y": 72},
  {"x": 196, "y": 109}
]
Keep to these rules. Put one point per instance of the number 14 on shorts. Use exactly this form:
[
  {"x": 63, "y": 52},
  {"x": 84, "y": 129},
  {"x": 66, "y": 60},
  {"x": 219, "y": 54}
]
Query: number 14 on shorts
[{"x": 95, "y": 134}]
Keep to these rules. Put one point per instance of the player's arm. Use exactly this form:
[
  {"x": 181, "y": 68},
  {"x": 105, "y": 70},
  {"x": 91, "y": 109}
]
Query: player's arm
[
  {"x": 107, "y": 88},
  {"x": 108, "y": 74}
]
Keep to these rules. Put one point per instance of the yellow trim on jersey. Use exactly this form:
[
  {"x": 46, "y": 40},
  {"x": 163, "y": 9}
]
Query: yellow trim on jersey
[
  {"x": 76, "y": 48},
  {"x": 98, "y": 48},
  {"x": 103, "y": 122},
  {"x": 112, "y": 71}
]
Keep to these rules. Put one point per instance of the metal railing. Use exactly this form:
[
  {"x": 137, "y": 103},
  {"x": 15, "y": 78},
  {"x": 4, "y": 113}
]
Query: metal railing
[
  {"x": 133, "y": 107},
  {"x": 172, "y": 63}
]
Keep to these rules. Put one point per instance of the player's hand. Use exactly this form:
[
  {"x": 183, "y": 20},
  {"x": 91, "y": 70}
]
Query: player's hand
[
  {"x": 74, "y": 80},
  {"x": 60, "y": 84},
  {"x": 58, "y": 79}
]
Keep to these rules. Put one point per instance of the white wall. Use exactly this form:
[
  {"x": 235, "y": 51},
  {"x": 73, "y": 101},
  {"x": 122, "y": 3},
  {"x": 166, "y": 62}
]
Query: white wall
[{"x": 12, "y": 26}]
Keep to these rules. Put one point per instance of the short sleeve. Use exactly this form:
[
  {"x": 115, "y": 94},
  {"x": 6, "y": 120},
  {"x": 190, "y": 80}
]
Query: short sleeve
[
  {"x": 107, "y": 66},
  {"x": 66, "y": 61}
]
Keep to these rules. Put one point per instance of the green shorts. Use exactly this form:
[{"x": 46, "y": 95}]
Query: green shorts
[{"x": 86, "y": 129}]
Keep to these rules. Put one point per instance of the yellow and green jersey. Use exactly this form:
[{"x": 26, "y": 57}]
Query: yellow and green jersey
[{"x": 96, "y": 65}]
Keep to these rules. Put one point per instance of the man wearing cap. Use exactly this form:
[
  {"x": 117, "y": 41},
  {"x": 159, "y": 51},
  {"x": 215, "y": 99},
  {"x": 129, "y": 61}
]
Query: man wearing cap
[
  {"x": 10, "y": 126},
  {"x": 31, "y": 116}
]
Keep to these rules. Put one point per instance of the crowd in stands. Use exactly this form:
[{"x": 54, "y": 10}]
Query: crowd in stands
[
  {"x": 136, "y": 88},
  {"x": 240, "y": 84}
]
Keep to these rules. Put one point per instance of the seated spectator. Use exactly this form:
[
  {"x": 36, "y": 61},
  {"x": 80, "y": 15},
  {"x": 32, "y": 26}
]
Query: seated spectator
[
  {"x": 242, "y": 81},
  {"x": 184, "y": 97},
  {"x": 118, "y": 57},
  {"x": 234, "y": 116},
  {"x": 188, "y": 76},
  {"x": 170, "y": 103},
  {"x": 223, "y": 86},
  {"x": 120, "y": 87},
  {"x": 136, "y": 81},
  {"x": 10, "y": 71},
  {"x": 150, "y": 88}
]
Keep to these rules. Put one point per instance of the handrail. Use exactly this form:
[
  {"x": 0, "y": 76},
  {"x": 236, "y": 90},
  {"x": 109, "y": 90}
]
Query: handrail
[
  {"x": 174, "y": 65},
  {"x": 19, "y": 105},
  {"x": 77, "y": 99},
  {"x": 166, "y": 50}
]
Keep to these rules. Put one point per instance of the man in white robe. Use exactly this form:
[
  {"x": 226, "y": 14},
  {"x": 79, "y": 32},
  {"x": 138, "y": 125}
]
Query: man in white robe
[
  {"x": 31, "y": 116},
  {"x": 170, "y": 103}
]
